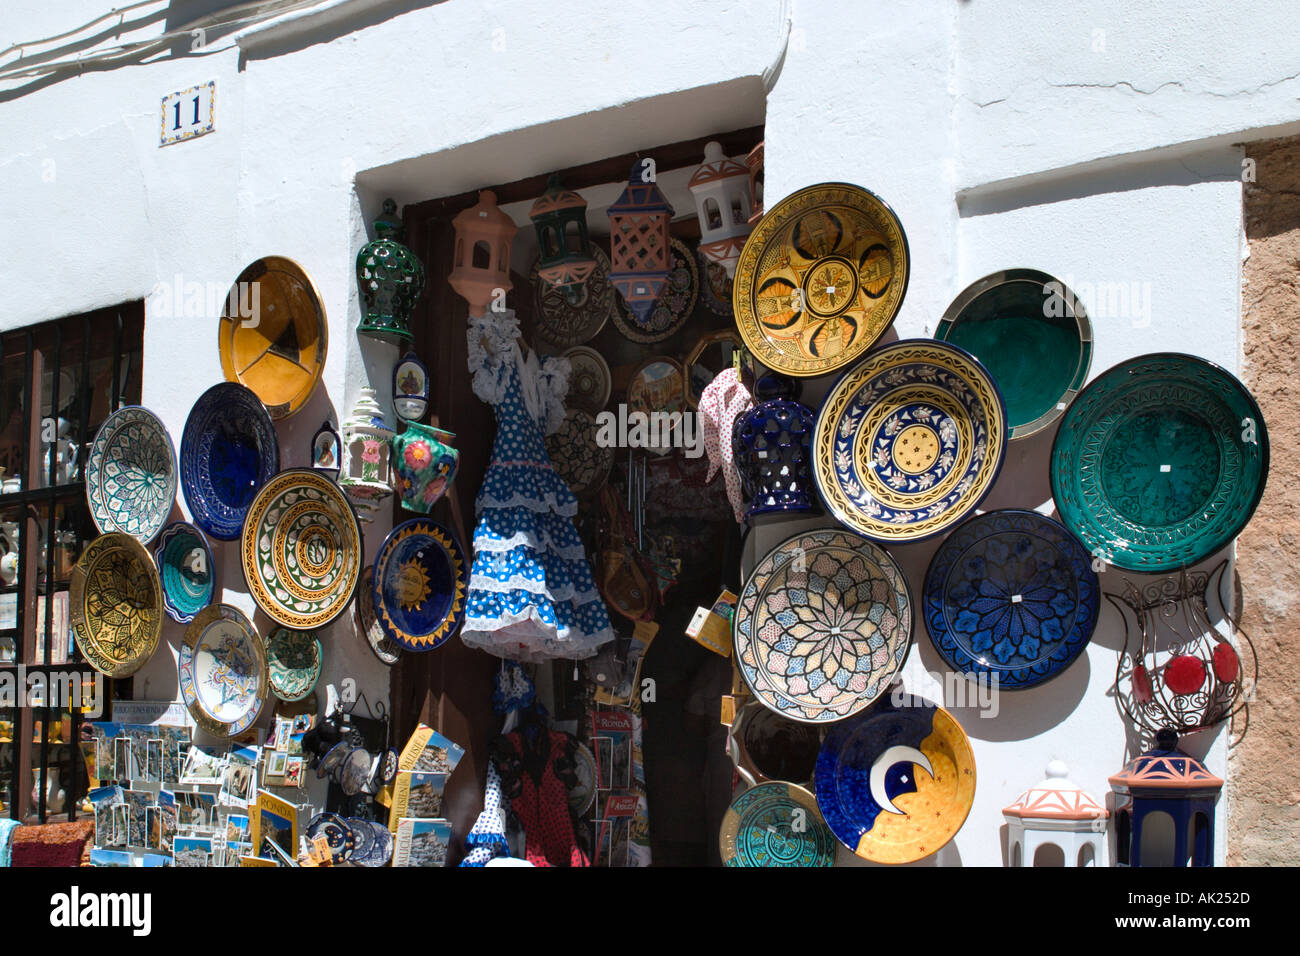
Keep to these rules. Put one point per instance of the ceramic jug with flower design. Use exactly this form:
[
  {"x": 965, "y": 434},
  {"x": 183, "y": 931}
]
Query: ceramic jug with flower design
[{"x": 425, "y": 462}]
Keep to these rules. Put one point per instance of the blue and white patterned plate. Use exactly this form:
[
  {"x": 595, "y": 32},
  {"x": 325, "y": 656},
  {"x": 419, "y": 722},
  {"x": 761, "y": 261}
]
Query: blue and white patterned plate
[
  {"x": 228, "y": 451},
  {"x": 131, "y": 474},
  {"x": 1011, "y": 596},
  {"x": 420, "y": 582},
  {"x": 909, "y": 441},
  {"x": 221, "y": 670},
  {"x": 185, "y": 566}
]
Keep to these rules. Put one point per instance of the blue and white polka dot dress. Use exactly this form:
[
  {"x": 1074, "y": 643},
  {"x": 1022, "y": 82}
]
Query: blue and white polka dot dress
[{"x": 531, "y": 592}]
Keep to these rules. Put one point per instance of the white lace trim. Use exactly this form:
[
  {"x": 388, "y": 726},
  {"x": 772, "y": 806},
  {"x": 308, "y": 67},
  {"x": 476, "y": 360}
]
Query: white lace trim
[
  {"x": 543, "y": 382},
  {"x": 567, "y": 594},
  {"x": 574, "y": 552},
  {"x": 550, "y": 503},
  {"x": 507, "y": 637}
]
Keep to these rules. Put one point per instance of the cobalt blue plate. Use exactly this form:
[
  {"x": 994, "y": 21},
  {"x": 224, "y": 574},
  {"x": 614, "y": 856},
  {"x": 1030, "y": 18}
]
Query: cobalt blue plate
[
  {"x": 228, "y": 451},
  {"x": 1011, "y": 595},
  {"x": 896, "y": 783},
  {"x": 420, "y": 582}
]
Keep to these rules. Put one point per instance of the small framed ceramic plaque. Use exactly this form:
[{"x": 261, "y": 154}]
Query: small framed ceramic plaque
[{"x": 410, "y": 388}]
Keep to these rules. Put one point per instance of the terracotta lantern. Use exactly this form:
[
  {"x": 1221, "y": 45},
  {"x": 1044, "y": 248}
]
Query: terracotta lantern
[
  {"x": 391, "y": 279},
  {"x": 564, "y": 256},
  {"x": 721, "y": 190},
  {"x": 639, "y": 252},
  {"x": 754, "y": 162},
  {"x": 481, "y": 264},
  {"x": 366, "y": 474},
  {"x": 1056, "y": 823},
  {"x": 1164, "y": 808}
]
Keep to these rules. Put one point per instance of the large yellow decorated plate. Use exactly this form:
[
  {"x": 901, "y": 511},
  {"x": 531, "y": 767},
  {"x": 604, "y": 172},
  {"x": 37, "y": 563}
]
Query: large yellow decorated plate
[
  {"x": 820, "y": 279},
  {"x": 301, "y": 549},
  {"x": 116, "y": 604},
  {"x": 909, "y": 441},
  {"x": 273, "y": 334}
]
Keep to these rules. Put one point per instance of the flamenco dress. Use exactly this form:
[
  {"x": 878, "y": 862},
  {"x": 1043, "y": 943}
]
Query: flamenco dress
[{"x": 531, "y": 596}]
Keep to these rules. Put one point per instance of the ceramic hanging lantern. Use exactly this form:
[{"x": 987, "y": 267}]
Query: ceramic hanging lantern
[
  {"x": 721, "y": 190},
  {"x": 564, "y": 254},
  {"x": 639, "y": 252},
  {"x": 1056, "y": 823},
  {"x": 1164, "y": 808},
  {"x": 771, "y": 443},
  {"x": 366, "y": 474},
  {"x": 410, "y": 388},
  {"x": 425, "y": 462},
  {"x": 754, "y": 163},
  {"x": 391, "y": 279},
  {"x": 480, "y": 270},
  {"x": 326, "y": 450}
]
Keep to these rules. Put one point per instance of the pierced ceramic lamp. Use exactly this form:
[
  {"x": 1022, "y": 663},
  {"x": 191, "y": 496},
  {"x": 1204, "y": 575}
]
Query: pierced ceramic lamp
[
  {"x": 1056, "y": 823},
  {"x": 721, "y": 190},
  {"x": 391, "y": 279},
  {"x": 1164, "y": 808},
  {"x": 565, "y": 260},
  {"x": 366, "y": 475},
  {"x": 639, "y": 252},
  {"x": 480, "y": 270}
]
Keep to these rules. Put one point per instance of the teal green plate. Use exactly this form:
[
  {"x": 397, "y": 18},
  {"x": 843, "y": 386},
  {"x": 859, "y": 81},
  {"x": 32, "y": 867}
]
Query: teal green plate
[
  {"x": 1032, "y": 335},
  {"x": 1160, "y": 462}
]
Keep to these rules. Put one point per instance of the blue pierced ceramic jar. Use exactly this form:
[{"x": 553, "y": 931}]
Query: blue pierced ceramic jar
[
  {"x": 772, "y": 447},
  {"x": 425, "y": 463}
]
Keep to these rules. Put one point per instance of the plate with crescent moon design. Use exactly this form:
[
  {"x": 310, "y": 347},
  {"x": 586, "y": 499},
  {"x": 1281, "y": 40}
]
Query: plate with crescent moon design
[
  {"x": 1011, "y": 597},
  {"x": 820, "y": 279},
  {"x": 897, "y": 783},
  {"x": 673, "y": 307},
  {"x": 1160, "y": 462},
  {"x": 822, "y": 626},
  {"x": 909, "y": 441},
  {"x": 775, "y": 824}
]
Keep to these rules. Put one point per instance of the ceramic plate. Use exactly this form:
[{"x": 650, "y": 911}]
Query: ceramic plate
[
  {"x": 222, "y": 672},
  {"x": 301, "y": 549},
  {"x": 1032, "y": 335},
  {"x": 589, "y": 380},
  {"x": 561, "y": 324},
  {"x": 333, "y": 759},
  {"x": 228, "y": 451},
  {"x": 1011, "y": 596},
  {"x": 273, "y": 334},
  {"x": 294, "y": 660},
  {"x": 657, "y": 385},
  {"x": 673, "y": 307},
  {"x": 909, "y": 441},
  {"x": 774, "y": 748},
  {"x": 820, "y": 279},
  {"x": 775, "y": 824},
  {"x": 577, "y": 457},
  {"x": 338, "y": 835},
  {"x": 715, "y": 286},
  {"x": 368, "y": 624},
  {"x": 116, "y": 604},
  {"x": 583, "y": 795},
  {"x": 896, "y": 784},
  {"x": 186, "y": 569},
  {"x": 1160, "y": 462},
  {"x": 131, "y": 474},
  {"x": 420, "y": 582},
  {"x": 822, "y": 626}
]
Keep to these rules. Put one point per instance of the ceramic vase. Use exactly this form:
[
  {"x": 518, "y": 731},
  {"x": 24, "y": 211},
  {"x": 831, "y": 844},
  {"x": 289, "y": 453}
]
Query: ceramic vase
[
  {"x": 366, "y": 474},
  {"x": 771, "y": 443},
  {"x": 425, "y": 462}
]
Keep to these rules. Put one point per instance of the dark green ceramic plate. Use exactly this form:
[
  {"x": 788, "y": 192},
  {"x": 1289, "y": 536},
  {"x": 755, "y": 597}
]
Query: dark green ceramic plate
[
  {"x": 1159, "y": 462},
  {"x": 1032, "y": 335}
]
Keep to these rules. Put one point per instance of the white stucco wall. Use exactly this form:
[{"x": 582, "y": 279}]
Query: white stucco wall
[{"x": 1002, "y": 136}]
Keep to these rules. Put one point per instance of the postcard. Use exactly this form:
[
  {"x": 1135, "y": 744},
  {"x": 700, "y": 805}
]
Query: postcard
[
  {"x": 139, "y": 802},
  {"x": 238, "y": 829},
  {"x": 191, "y": 851},
  {"x": 275, "y": 763},
  {"x": 202, "y": 766},
  {"x": 238, "y": 784},
  {"x": 293, "y": 772},
  {"x": 100, "y": 857},
  {"x": 417, "y": 795}
]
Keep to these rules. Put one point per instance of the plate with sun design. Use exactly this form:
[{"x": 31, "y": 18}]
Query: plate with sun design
[
  {"x": 823, "y": 625},
  {"x": 301, "y": 549},
  {"x": 820, "y": 279},
  {"x": 909, "y": 441},
  {"x": 420, "y": 581}
]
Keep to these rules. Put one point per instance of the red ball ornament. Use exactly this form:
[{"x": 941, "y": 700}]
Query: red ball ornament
[
  {"x": 1184, "y": 674},
  {"x": 1226, "y": 663},
  {"x": 1142, "y": 685}
]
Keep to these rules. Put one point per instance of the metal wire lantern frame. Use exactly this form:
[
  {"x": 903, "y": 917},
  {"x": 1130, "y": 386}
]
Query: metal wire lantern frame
[{"x": 1173, "y": 619}]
